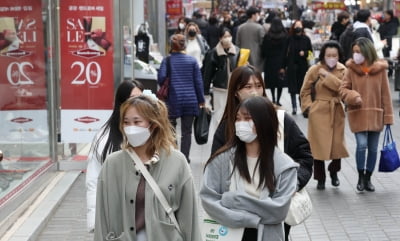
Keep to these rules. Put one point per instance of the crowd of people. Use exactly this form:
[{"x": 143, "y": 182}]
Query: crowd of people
[{"x": 249, "y": 179}]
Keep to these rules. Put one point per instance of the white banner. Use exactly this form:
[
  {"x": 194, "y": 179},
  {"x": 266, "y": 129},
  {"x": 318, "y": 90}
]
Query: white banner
[
  {"x": 80, "y": 126},
  {"x": 21, "y": 126}
]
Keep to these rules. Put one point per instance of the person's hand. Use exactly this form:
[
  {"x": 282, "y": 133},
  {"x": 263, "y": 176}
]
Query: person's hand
[
  {"x": 208, "y": 102},
  {"x": 301, "y": 53},
  {"x": 202, "y": 105},
  {"x": 358, "y": 101},
  {"x": 322, "y": 72},
  {"x": 384, "y": 42},
  {"x": 282, "y": 71}
]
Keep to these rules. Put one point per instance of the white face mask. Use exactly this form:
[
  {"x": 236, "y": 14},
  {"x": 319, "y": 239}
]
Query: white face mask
[
  {"x": 244, "y": 131},
  {"x": 331, "y": 62},
  {"x": 358, "y": 58},
  {"x": 226, "y": 41},
  {"x": 181, "y": 26},
  {"x": 137, "y": 135}
]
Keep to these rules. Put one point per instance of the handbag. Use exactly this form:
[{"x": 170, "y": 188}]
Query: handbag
[
  {"x": 202, "y": 125},
  {"x": 211, "y": 230},
  {"x": 156, "y": 189},
  {"x": 389, "y": 160},
  {"x": 163, "y": 91},
  {"x": 300, "y": 206}
]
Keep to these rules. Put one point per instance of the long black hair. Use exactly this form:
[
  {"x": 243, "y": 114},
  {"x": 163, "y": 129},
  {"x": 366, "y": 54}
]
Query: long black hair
[
  {"x": 277, "y": 31},
  {"x": 111, "y": 126},
  {"x": 266, "y": 123}
]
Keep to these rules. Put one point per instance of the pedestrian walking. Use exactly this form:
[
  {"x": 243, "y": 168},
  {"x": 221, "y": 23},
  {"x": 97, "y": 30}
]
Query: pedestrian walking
[
  {"x": 366, "y": 92},
  {"x": 338, "y": 27},
  {"x": 106, "y": 141},
  {"x": 250, "y": 36},
  {"x": 299, "y": 47},
  {"x": 249, "y": 182},
  {"x": 245, "y": 82},
  {"x": 274, "y": 48},
  {"x": 186, "y": 89},
  {"x": 218, "y": 66},
  {"x": 388, "y": 29},
  {"x": 196, "y": 44},
  {"x": 325, "y": 112},
  {"x": 127, "y": 206}
]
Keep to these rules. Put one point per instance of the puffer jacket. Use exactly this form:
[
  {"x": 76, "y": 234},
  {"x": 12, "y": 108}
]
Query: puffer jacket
[{"x": 372, "y": 85}]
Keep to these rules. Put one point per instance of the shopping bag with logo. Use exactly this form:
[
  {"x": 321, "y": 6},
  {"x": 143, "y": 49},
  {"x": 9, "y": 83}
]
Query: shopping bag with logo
[
  {"x": 213, "y": 231},
  {"x": 389, "y": 160},
  {"x": 300, "y": 208}
]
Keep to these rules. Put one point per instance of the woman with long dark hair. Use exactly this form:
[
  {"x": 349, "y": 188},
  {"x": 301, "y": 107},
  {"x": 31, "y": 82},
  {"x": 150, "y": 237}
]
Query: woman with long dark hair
[
  {"x": 249, "y": 182},
  {"x": 107, "y": 140}
]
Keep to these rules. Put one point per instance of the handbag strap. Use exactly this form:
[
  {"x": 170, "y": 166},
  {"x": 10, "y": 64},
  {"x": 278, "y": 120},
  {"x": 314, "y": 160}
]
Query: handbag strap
[
  {"x": 388, "y": 138},
  {"x": 139, "y": 164},
  {"x": 168, "y": 62}
]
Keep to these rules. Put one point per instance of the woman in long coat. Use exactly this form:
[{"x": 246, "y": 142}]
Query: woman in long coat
[
  {"x": 325, "y": 113},
  {"x": 274, "y": 52},
  {"x": 296, "y": 60}
]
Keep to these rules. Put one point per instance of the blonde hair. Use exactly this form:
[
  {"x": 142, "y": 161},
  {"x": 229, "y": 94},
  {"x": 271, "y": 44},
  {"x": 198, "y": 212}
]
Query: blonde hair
[{"x": 156, "y": 112}]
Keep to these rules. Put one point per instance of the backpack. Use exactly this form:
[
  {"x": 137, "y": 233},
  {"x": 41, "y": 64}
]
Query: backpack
[{"x": 346, "y": 39}]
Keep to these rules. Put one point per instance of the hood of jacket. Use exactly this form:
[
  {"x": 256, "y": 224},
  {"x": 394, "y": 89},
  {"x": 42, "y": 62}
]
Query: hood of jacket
[{"x": 375, "y": 68}]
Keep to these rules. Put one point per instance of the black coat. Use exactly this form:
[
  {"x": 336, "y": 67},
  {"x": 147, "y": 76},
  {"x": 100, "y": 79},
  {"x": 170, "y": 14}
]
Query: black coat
[
  {"x": 295, "y": 145},
  {"x": 387, "y": 30},
  {"x": 274, "y": 54},
  {"x": 336, "y": 30},
  {"x": 297, "y": 65}
]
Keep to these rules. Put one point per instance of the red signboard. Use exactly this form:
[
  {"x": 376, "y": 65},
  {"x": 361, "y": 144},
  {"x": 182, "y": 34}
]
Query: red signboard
[
  {"x": 22, "y": 56},
  {"x": 174, "y": 7},
  {"x": 86, "y": 34},
  {"x": 396, "y": 7}
]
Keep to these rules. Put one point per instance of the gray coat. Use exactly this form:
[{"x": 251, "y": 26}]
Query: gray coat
[
  {"x": 238, "y": 209},
  {"x": 250, "y": 35},
  {"x": 116, "y": 197}
]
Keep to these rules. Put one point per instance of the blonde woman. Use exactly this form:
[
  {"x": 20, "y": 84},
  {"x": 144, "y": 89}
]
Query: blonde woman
[{"x": 127, "y": 208}]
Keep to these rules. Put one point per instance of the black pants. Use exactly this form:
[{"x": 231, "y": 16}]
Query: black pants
[
  {"x": 250, "y": 234},
  {"x": 186, "y": 133},
  {"x": 319, "y": 168},
  {"x": 287, "y": 231}
]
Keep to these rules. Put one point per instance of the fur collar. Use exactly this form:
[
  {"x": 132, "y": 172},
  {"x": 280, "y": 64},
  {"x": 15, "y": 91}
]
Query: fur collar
[
  {"x": 375, "y": 68},
  {"x": 221, "y": 51}
]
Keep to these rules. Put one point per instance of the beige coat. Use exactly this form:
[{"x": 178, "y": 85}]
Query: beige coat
[
  {"x": 326, "y": 114},
  {"x": 376, "y": 109}
]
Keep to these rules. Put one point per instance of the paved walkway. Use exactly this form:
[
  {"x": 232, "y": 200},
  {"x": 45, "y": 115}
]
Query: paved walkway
[{"x": 339, "y": 213}]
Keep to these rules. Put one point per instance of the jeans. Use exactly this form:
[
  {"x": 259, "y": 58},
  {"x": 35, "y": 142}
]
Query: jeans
[
  {"x": 367, "y": 139},
  {"x": 186, "y": 134}
]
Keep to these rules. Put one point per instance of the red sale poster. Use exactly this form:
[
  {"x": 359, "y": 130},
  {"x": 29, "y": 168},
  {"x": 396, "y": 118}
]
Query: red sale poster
[
  {"x": 87, "y": 78},
  {"x": 23, "y": 97}
]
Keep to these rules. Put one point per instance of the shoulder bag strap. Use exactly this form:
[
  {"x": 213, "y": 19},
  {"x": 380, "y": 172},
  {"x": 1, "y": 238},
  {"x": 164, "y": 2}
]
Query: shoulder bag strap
[
  {"x": 281, "y": 119},
  {"x": 139, "y": 164}
]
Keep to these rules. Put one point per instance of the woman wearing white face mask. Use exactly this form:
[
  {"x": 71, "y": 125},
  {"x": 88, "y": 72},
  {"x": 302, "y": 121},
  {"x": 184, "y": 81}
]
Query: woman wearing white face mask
[
  {"x": 127, "y": 208},
  {"x": 366, "y": 92},
  {"x": 249, "y": 182},
  {"x": 218, "y": 66},
  {"x": 325, "y": 112}
]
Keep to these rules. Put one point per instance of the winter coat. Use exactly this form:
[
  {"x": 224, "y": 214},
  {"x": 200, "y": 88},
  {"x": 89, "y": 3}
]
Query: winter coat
[
  {"x": 361, "y": 30},
  {"x": 238, "y": 209},
  {"x": 336, "y": 30},
  {"x": 297, "y": 65},
  {"x": 376, "y": 109},
  {"x": 274, "y": 53},
  {"x": 326, "y": 118},
  {"x": 387, "y": 30},
  {"x": 186, "y": 90},
  {"x": 216, "y": 69},
  {"x": 116, "y": 198},
  {"x": 295, "y": 145},
  {"x": 250, "y": 36}
]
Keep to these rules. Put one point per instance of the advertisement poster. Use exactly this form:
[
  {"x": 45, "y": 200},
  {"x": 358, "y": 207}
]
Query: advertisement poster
[
  {"x": 174, "y": 12},
  {"x": 23, "y": 113},
  {"x": 87, "y": 78}
]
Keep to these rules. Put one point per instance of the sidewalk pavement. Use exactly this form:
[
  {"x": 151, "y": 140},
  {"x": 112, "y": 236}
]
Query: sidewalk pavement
[{"x": 339, "y": 213}]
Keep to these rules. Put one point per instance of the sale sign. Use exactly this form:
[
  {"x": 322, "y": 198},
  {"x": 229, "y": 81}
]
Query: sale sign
[
  {"x": 22, "y": 76},
  {"x": 86, "y": 34}
]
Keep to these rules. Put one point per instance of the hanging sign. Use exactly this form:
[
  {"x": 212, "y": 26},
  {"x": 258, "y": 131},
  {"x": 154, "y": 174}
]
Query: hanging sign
[
  {"x": 87, "y": 77},
  {"x": 23, "y": 109}
]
